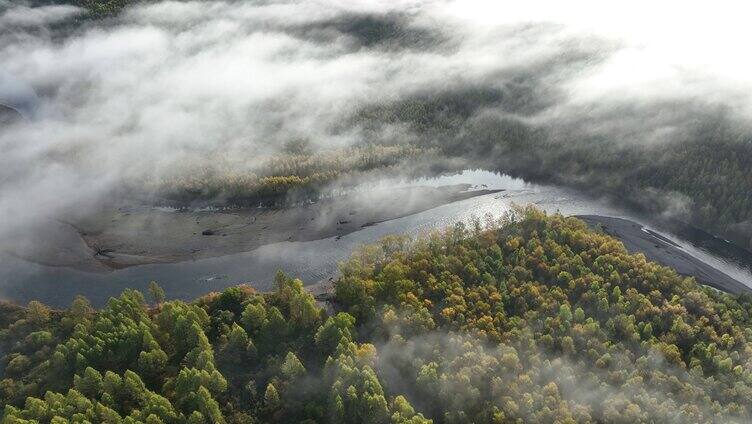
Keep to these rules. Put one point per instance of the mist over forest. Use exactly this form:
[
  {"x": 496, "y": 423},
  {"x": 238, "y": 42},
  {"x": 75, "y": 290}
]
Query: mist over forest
[
  {"x": 147, "y": 97},
  {"x": 117, "y": 110}
]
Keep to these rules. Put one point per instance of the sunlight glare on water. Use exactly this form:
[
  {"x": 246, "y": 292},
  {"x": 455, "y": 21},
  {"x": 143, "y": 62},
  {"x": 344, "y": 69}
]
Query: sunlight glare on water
[{"x": 311, "y": 261}]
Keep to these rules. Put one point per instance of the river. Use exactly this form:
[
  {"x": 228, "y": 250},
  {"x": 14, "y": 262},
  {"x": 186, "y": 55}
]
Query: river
[{"x": 21, "y": 281}]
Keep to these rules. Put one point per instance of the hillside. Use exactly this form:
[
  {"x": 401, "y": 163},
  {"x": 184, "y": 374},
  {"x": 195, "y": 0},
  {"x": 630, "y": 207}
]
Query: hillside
[
  {"x": 701, "y": 177},
  {"x": 533, "y": 318}
]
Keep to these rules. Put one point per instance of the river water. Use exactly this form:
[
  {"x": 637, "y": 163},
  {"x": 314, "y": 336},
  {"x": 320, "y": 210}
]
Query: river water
[{"x": 312, "y": 261}]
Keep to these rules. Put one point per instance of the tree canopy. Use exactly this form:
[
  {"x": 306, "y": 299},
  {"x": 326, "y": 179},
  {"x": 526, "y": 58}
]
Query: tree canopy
[{"x": 532, "y": 318}]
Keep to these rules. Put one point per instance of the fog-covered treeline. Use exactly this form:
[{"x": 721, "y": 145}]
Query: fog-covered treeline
[{"x": 126, "y": 94}]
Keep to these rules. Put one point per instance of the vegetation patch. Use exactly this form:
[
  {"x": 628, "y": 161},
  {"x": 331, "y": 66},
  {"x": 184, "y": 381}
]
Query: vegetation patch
[
  {"x": 282, "y": 178},
  {"x": 534, "y": 318}
]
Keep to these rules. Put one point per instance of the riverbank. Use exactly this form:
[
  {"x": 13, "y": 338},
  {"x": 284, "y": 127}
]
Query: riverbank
[
  {"x": 55, "y": 263},
  {"x": 116, "y": 238},
  {"x": 636, "y": 239},
  {"x": 657, "y": 248}
]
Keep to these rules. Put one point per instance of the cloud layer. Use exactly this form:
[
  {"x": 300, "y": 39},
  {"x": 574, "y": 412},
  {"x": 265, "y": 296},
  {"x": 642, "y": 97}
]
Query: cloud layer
[{"x": 176, "y": 82}]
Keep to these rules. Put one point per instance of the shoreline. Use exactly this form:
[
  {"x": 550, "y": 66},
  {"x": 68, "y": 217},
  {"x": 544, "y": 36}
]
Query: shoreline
[
  {"x": 657, "y": 248},
  {"x": 116, "y": 238},
  {"x": 188, "y": 280},
  {"x": 636, "y": 239}
]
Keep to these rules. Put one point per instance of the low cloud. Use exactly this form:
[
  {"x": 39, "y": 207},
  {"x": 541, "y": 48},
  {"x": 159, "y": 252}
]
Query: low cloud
[
  {"x": 182, "y": 83},
  {"x": 23, "y": 16}
]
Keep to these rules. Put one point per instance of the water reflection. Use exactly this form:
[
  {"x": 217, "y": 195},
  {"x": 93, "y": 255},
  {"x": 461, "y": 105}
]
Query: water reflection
[{"x": 312, "y": 261}]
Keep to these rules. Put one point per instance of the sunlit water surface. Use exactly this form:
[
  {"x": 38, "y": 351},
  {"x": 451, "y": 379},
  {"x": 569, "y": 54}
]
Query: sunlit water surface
[{"x": 311, "y": 261}]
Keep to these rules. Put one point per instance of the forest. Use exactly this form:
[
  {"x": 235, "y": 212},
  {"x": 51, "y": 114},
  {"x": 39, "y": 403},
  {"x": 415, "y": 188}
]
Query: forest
[
  {"x": 695, "y": 171},
  {"x": 529, "y": 318},
  {"x": 298, "y": 173},
  {"x": 209, "y": 106},
  {"x": 701, "y": 177}
]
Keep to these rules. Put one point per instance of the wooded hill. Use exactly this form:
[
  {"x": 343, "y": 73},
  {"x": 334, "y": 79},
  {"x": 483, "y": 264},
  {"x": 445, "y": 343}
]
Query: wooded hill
[{"x": 532, "y": 318}]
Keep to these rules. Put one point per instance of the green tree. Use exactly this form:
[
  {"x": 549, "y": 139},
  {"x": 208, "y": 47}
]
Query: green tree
[{"x": 156, "y": 292}]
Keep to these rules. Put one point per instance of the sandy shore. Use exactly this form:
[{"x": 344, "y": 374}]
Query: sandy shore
[
  {"x": 114, "y": 238},
  {"x": 659, "y": 249}
]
